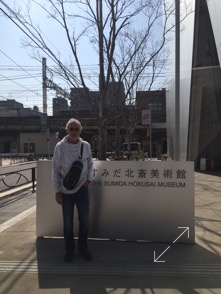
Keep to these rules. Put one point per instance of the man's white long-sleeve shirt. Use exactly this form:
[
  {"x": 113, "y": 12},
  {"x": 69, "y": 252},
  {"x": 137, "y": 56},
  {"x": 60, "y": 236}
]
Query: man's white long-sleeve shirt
[{"x": 64, "y": 155}]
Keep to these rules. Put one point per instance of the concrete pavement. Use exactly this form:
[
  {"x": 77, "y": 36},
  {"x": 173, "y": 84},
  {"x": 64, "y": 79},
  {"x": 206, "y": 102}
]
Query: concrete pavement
[{"x": 30, "y": 265}]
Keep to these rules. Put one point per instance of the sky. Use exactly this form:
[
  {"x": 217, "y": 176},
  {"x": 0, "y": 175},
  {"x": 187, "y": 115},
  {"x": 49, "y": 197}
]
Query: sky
[
  {"x": 20, "y": 73},
  {"x": 20, "y": 76}
]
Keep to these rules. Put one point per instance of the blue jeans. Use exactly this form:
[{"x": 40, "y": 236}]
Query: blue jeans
[{"x": 81, "y": 199}]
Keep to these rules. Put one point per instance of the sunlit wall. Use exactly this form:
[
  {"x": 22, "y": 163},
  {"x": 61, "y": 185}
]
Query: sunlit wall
[{"x": 200, "y": 80}]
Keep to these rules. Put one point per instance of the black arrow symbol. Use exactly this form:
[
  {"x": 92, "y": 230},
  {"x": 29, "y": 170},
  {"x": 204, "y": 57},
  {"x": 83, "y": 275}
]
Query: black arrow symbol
[{"x": 156, "y": 259}]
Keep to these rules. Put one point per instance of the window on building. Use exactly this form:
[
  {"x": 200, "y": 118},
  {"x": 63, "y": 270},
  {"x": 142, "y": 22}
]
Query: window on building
[{"x": 156, "y": 106}]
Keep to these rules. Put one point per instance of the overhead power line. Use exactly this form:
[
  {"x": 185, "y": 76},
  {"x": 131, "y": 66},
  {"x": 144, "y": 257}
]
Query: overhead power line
[
  {"x": 17, "y": 78},
  {"x": 19, "y": 65}
]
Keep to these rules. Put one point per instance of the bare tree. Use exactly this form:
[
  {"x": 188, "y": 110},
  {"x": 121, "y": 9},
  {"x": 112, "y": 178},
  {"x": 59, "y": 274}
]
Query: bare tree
[{"x": 127, "y": 35}]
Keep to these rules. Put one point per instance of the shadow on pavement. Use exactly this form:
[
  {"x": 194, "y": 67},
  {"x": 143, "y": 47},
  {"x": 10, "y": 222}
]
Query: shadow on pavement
[{"x": 128, "y": 267}]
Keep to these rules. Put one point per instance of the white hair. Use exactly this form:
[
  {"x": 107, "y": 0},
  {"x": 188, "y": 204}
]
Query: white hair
[{"x": 73, "y": 120}]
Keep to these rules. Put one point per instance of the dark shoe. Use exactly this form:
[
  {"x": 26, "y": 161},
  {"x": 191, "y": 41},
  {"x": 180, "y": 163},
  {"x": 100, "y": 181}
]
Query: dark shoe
[
  {"x": 68, "y": 257},
  {"x": 86, "y": 255}
]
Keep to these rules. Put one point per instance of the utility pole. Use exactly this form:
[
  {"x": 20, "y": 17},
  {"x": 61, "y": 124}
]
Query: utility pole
[
  {"x": 177, "y": 82},
  {"x": 44, "y": 85},
  {"x": 102, "y": 124},
  {"x": 44, "y": 121},
  {"x": 49, "y": 84}
]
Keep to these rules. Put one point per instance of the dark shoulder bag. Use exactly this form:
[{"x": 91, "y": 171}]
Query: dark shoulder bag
[{"x": 73, "y": 176}]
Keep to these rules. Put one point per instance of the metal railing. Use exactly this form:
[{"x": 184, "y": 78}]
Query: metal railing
[{"x": 18, "y": 178}]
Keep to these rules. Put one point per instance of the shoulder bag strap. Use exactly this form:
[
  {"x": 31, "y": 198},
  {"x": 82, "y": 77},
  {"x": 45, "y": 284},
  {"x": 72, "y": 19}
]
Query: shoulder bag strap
[{"x": 80, "y": 156}]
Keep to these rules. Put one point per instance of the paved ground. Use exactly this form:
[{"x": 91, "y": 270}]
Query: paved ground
[
  {"x": 15, "y": 204},
  {"x": 30, "y": 265}
]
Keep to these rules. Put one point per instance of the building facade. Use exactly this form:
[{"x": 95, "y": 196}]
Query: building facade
[
  {"x": 28, "y": 133},
  {"x": 200, "y": 84},
  {"x": 10, "y": 107},
  {"x": 59, "y": 104}
]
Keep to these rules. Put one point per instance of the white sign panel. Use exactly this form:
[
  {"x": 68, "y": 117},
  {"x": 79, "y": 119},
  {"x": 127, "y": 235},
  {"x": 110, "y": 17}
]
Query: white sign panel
[
  {"x": 146, "y": 117},
  {"x": 131, "y": 200}
]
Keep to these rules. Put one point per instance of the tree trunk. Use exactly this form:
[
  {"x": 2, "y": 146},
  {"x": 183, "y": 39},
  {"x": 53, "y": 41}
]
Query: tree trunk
[{"x": 102, "y": 143}]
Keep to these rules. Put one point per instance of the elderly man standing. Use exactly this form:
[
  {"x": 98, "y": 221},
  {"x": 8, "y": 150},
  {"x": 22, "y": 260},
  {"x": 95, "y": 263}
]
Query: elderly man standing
[{"x": 67, "y": 151}]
